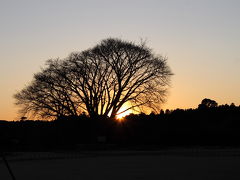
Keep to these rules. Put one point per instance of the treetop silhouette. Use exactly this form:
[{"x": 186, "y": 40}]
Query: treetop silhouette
[
  {"x": 207, "y": 103},
  {"x": 98, "y": 82}
]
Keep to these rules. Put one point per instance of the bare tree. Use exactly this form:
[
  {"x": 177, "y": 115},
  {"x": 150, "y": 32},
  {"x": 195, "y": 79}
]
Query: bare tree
[
  {"x": 99, "y": 81},
  {"x": 47, "y": 95}
]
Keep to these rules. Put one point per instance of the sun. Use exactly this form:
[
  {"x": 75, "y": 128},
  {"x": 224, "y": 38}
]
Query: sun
[{"x": 124, "y": 113}]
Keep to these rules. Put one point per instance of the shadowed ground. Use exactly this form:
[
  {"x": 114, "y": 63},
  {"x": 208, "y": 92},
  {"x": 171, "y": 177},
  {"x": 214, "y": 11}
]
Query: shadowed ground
[{"x": 126, "y": 165}]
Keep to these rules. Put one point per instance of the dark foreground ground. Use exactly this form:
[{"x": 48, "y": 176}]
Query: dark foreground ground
[{"x": 177, "y": 164}]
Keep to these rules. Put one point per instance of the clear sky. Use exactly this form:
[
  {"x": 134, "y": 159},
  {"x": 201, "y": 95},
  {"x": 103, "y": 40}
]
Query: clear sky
[{"x": 201, "y": 39}]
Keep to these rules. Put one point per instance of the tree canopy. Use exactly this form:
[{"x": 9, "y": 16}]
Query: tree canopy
[
  {"x": 98, "y": 82},
  {"x": 206, "y": 103}
]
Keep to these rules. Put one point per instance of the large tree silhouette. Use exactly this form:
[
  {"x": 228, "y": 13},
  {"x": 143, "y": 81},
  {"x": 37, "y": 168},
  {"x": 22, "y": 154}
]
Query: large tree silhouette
[{"x": 98, "y": 81}]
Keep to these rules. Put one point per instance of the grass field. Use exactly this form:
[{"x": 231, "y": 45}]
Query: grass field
[{"x": 124, "y": 165}]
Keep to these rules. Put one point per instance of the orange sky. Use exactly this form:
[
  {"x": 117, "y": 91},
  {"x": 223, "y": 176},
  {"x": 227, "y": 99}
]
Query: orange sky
[{"x": 200, "y": 38}]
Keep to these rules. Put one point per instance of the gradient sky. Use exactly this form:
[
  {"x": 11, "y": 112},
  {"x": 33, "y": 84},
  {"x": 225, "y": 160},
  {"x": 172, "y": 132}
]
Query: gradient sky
[{"x": 201, "y": 39}]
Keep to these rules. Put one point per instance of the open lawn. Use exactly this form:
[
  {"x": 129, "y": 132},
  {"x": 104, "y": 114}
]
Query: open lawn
[{"x": 124, "y": 165}]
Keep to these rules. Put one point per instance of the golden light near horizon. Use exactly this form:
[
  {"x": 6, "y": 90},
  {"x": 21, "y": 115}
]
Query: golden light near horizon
[
  {"x": 204, "y": 56},
  {"x": 123, "y": 112}
]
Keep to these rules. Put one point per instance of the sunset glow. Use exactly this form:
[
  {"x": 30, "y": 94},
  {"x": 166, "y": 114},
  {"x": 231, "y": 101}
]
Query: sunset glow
[
  {"x": 121, "y": 116},
  {"x": 202, "y": 48}
]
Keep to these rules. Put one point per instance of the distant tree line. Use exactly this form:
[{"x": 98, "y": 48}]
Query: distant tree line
[{"x": 208, "y": 125}]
